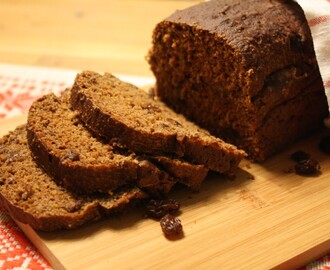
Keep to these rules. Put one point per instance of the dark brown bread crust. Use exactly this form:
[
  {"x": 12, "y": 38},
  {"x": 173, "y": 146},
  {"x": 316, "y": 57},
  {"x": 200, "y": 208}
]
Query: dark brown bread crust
[
  {"x": 245, "y": 70},
  {"x": 68, "y": 152},
  {"x": 120, "y": 111},
  {"x": 32, "y": 197}
]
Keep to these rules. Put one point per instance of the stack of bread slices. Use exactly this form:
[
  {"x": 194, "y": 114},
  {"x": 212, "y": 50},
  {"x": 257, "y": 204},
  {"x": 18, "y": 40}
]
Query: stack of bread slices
[{"x": 97, "y": 149}]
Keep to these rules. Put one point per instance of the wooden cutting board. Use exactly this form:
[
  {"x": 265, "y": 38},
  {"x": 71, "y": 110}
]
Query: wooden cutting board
[{"x": 265, "y": 218}]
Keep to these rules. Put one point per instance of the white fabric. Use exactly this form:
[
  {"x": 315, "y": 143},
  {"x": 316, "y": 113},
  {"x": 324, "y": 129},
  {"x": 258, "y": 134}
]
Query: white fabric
[{"x": 318, "y": 16}]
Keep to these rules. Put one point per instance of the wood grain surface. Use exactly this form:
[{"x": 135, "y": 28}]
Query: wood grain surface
[
  {"x": 265, "y": 218},
  {"x": 268, "y": 217},
  {"x": 100, "y": 35}
]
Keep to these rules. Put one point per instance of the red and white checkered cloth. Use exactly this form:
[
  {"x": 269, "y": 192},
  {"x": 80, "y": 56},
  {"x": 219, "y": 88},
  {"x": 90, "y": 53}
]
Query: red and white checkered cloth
[
  {"x": 20, "y": 86},
  {"x": 318, "y": 16}
]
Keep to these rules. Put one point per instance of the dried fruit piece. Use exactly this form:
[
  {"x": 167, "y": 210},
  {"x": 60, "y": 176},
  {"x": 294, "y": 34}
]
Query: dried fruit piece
[
  {"x": 300, "y": 156},
  {"x": 307, "y": 167},
  {"x": 325, "y": 145},
  {"x": 159, "y": 208},
  {"x": 171, "y": 226}
]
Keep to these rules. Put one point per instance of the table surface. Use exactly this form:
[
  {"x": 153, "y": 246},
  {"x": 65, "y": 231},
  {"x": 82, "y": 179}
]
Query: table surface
[{"x": 101, "y": 35}]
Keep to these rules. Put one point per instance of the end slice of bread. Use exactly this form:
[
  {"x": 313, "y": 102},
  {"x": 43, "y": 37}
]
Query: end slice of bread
[{"x": 32, "y": 197}]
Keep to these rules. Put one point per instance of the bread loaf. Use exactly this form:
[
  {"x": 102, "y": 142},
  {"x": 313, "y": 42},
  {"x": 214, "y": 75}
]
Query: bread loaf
[{"x": 244, "y": 70}]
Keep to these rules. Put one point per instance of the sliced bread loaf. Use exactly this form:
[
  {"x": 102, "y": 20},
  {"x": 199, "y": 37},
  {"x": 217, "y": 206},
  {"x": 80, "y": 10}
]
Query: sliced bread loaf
[
  {"x": 68, "y": 152},
  {"x": 244, "y": 70},
  {"x": 122, "y": 112},
  {"x": 32, "y": 197}
]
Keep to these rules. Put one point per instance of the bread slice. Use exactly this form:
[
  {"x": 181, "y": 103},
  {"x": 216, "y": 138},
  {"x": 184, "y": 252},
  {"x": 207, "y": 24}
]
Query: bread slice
[
  {"x": 67, "y": 151},
  {"x": 32, "y": 197},
  {"x": 120, "y": 111},
  {"x": 185, "y": 172}
]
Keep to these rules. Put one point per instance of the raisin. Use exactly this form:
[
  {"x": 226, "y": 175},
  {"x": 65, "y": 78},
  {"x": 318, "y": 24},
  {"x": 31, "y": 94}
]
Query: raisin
[
  {"x": 159, "y": 208},
  {"x": 307, "y": 167},
  {"x": 171, "y": 226},
  {"x": 325, "y": 145},
  {"x": 300, "y": 156}
]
